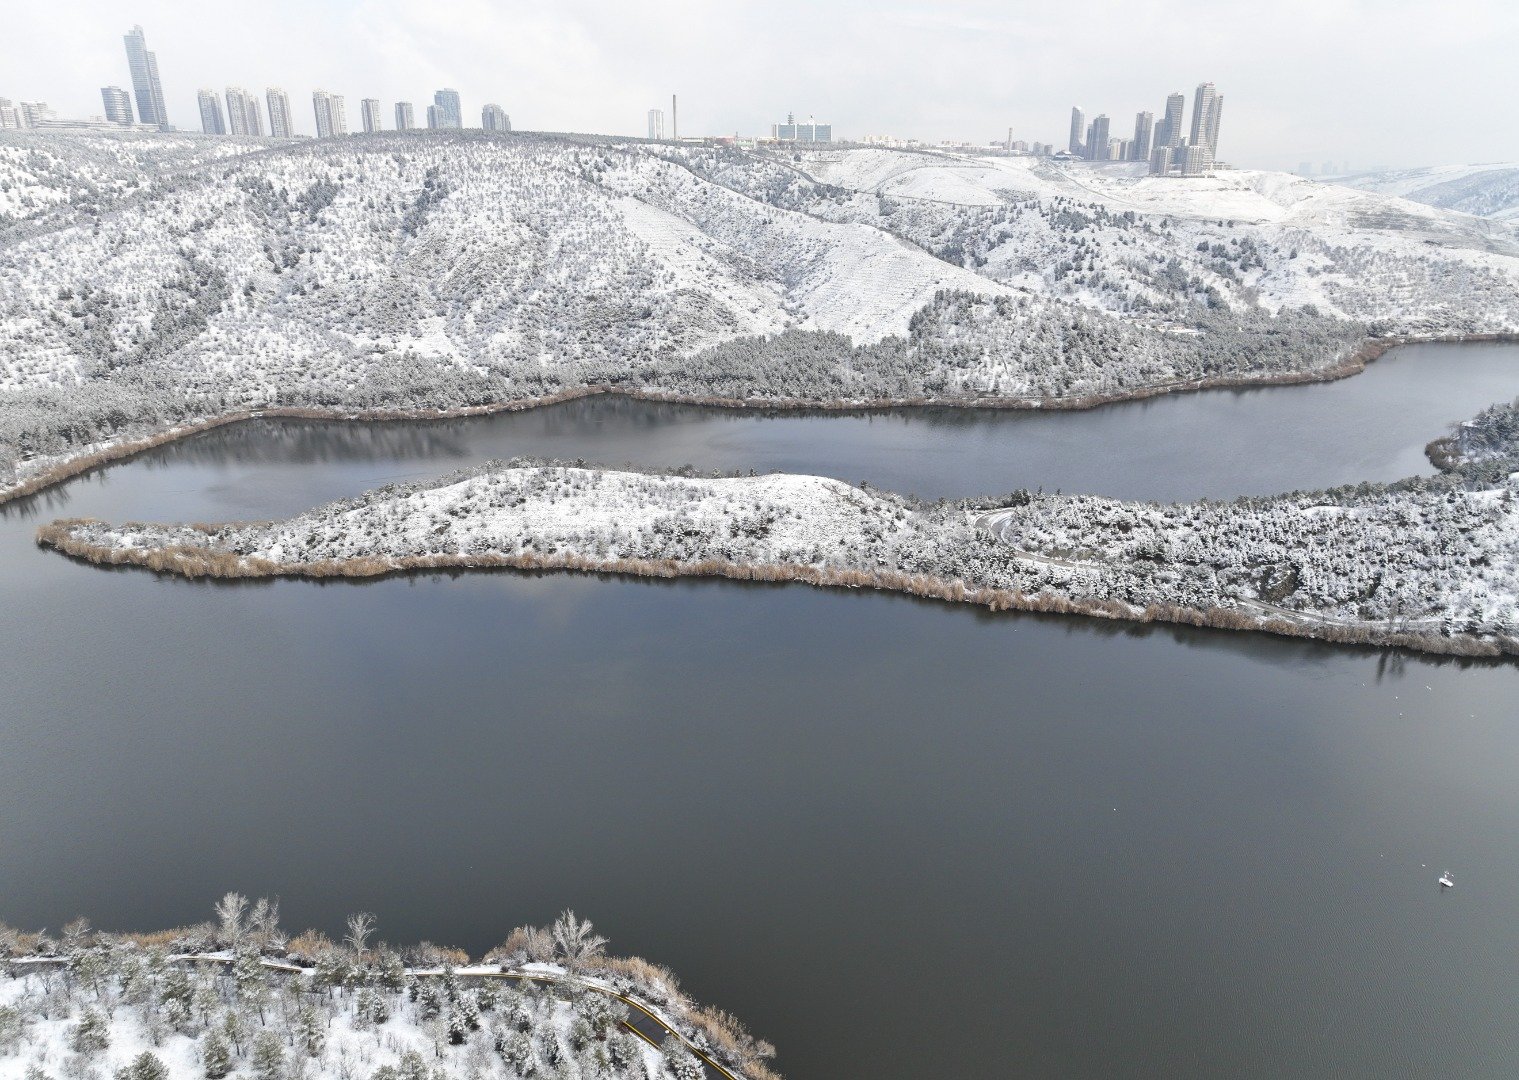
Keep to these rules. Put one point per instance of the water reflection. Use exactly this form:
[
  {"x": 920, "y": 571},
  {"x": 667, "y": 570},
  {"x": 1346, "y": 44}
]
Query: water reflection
[{"x": 899, "y": 838}]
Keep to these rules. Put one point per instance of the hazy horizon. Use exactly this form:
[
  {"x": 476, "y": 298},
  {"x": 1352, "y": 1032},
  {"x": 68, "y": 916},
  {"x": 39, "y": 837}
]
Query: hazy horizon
[{"x": 959, "y": 71}]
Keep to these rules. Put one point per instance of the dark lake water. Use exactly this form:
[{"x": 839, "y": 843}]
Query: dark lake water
[{"x": 900, "y": 839}]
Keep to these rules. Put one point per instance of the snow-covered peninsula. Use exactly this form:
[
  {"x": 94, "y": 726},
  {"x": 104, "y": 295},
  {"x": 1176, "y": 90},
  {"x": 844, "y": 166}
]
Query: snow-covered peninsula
[
  {"x": 239, "y": 996},
  {"x": 1430, "y": 563},
  {"x": 150, "y": 285}
]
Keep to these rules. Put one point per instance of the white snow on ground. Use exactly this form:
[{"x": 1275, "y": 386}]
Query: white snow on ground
[
  {"x": 1488, "y": 190},
  {"x": 352, "y": 1045},
  {"x": 1446, "y": 560}
]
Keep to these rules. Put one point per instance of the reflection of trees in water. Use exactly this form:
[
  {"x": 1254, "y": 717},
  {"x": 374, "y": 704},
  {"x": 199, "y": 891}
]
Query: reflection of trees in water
[{"x": 318, "y": 441}]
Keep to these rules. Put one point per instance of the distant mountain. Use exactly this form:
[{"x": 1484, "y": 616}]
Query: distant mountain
[
  {"x": 1490, "y": 191},
  {"x": 146, "y": 280}
]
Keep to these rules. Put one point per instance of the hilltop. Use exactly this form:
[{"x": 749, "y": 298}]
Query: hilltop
[{"x": 1490, "y": 191}]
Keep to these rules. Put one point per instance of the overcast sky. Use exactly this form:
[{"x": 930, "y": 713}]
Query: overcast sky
[{"x": 1369, "y": 82}]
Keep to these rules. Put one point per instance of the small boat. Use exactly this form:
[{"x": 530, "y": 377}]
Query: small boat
[{"x": 1446, "y": 881}]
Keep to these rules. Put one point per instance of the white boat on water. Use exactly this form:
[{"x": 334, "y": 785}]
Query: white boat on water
[{"x": 1446, "y": 881}]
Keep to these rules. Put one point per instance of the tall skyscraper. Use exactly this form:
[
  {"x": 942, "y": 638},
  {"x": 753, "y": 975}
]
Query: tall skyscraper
[
  {"x": 371, "y": 110},
  {"x": 656, "y": 123},
  {"x": 1097, "y": 139},
  {"x": 1078, "y": 129},
  {"x": 145, "y": 83},
  {"x": 10, "y": 116},
  {"x": 449, "y": 114},
  {"x": 280, "y": 124},
  {"x": 433, "y": 116},
  {"x": 494, "y": 118},
  {"x": 1206, "y": 105},
  {"x": 405, "y": 120},
  {"x": 36, "y": 113},
  {"x": 330, "y": 117},
  {"x": 1144, "y": 128},
  {"x": 1170, "y": 128},
  {"x": 242, "y": 113},
  {"x": 118, "y": 105},
  {"x": 211, "y": 121}
]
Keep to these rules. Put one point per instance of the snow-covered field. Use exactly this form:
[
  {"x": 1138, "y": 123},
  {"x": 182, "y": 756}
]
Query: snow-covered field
[
  {"x": 1432, "y": 563},
  {"x": 147, "y": 280}
]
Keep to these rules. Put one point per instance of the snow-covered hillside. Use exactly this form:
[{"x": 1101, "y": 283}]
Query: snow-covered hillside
[
  {"x": 146, "y": 283},
  {"x": 1490, "y": 191}
]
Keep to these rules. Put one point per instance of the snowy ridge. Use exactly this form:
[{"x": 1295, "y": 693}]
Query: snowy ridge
[{"x": 1490, "y": 191}]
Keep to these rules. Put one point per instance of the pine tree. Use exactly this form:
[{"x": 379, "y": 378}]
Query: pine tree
[
  {"x": 268, "y": 1056},
  {"x": 310, "y": 1031},
  {"x": 91, "y": 1035},
  {"x": 683, "y": 1064},
  {"x": 145, "y": 1066},
  {"x": 215, "y": 1055}
]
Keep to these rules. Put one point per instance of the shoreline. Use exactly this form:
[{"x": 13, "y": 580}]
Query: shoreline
[
  {"x": 192, "y": 563},
  {"x": 1368, "y": 352}
]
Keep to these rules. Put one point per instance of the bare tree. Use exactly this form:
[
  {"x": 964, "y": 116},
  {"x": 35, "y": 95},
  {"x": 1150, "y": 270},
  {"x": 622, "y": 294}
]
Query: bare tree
[
  {"x": 360, "y": 926},
  {"x": 265, "y": 922},
  {"x": 230, "y": 910},
  {"x": 575, "y": 939}
]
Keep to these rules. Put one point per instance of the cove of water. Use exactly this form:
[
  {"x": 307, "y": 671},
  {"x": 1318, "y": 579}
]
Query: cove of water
[{"x": 898, "y": 838}]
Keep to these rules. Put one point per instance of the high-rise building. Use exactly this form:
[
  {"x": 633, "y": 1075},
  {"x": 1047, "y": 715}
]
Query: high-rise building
[
  {"x": 10, "y": 116},
  {"x": 1195, "y": 160},
  {"x": 370, "y": 107},
  {"x": 449, "y": 114},
  {"x": 211, "y": 121},
  {"x": 1144, "y": 128},
  {"x": 1078, "y": 130},
  {"x": 656, "y": 123},
  {"x": 242, "y": 113},
  {"x": 494, "y": 118},
  {"x": 330, "y": 118},
  {"x": 405, "y": 120},
  {"x": 36, "y": 113},
  {"x": 433, "y": 116},
  {"x": 280, "y": 124},
  {"x": 145, "y": 82},
  {"x": 1169, "y": 133},
  {"x": 1206, "y": 105},
  {"x": 118, "y": 105},
  {"x": 1097, "y": 139},
  {"x": 1160, "y": 159}
]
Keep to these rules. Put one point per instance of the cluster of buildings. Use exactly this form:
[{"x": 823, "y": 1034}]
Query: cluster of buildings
[
  {"x": 242, "y": 113},
  {"x": 1165, "y": 143}
]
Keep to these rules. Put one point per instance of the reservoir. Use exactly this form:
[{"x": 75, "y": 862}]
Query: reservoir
[{"x": 897, "y": 838}]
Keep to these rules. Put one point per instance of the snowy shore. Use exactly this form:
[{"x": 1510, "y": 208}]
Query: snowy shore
[
  {"x": 168, "y": 283},
  {"x": 241, "y": 997},
  {"x": 1430, "y": 564}
]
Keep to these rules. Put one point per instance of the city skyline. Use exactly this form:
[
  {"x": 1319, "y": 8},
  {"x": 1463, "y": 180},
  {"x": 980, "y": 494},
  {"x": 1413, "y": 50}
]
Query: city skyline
[{"x": 596, "y": 68}]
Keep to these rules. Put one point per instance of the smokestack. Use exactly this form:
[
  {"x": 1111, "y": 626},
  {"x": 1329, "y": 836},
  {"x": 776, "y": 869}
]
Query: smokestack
[{"x": 674, "y": 121}]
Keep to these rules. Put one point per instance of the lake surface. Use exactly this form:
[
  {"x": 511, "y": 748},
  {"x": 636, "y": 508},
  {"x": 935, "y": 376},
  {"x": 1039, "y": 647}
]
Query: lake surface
[{"x": 898, "y": 838}]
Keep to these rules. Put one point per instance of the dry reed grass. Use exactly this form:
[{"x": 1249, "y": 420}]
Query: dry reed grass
[{"x": 194, "y": 562}]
